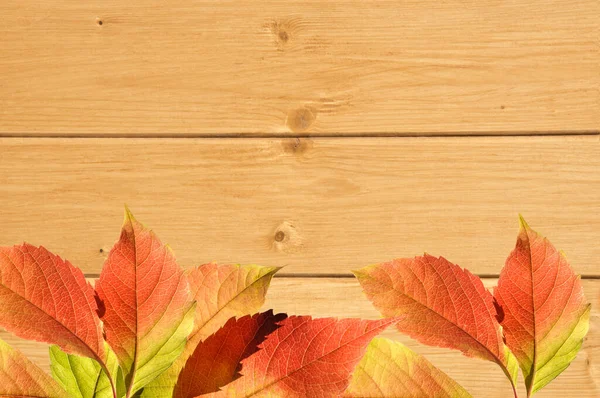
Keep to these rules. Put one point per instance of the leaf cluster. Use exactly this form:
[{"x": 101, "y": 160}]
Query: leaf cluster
[{"x": 150, "y": 328}]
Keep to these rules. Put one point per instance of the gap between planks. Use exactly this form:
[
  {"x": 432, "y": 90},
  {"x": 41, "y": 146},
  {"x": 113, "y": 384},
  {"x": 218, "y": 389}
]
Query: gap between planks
[
  {"x": 457, "y": 134},
  {"x": 351, "y": 276}
]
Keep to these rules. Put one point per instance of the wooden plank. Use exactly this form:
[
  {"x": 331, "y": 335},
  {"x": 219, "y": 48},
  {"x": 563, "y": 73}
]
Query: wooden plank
[
  {"x": 323, "y": 206},
  {"x": 298, "y": 67},
  {"x": 342, "y": 297}
]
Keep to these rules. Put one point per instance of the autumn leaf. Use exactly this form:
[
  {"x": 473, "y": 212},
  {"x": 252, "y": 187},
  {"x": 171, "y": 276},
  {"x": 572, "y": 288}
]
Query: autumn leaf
[
  {"x": 19, "y": 377},
  {"x": 148, "y": 305},
  {"x": 216, "y": 360},
  {"x": 83, "y": 377},
  {"x": 45, "y": 298},
  {"x": 226, "y": 291},
  {"x": 441, "y": 304},
  {"x": 545, "y": 312},
  {"x": 221, "y": 292},
  {"x": 390, "y": 369},
  {"x": 305, "y": 357}
]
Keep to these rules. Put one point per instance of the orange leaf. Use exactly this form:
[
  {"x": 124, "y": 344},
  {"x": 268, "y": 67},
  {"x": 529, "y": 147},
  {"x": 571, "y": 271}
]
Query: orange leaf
[
  {"x": 305, "y": 357},
  {"x": 442, "y": 304},
  {"x": 47, "y": 299},
  {"x": 149, "y": 308},
  {"x": 545, "y": 312},
  {"x": 216, "y": 360}
]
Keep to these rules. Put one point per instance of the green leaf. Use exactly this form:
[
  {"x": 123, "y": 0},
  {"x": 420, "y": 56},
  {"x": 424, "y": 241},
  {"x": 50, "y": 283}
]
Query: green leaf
[{"x": 83, "y": 377}]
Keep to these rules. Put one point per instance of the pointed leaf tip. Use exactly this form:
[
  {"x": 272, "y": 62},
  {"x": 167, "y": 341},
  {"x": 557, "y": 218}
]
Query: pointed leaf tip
[
  {"x": 522, "y": 223},
  {"x": 169, "y": 249},
  {"x": 128, "y": 214},
  {"x": 364, "y": 271}
]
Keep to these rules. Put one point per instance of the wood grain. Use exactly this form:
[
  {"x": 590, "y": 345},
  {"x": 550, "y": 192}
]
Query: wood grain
[
  {"x": 342, "y": 67},
  {"x": 342, "y": 297},
  {"x": 322, "y": 206}
]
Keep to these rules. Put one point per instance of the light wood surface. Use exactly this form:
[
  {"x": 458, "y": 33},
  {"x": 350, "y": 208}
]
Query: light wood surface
[
  {"x": 342, "y": 297},
  {"x": 320, "y": 206},
  {"x": 149, "y": 67},
  {"x": 510, "y": 90}
]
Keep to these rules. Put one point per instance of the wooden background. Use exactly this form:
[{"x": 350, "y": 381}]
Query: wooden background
[{"x": 322, "y": 136}]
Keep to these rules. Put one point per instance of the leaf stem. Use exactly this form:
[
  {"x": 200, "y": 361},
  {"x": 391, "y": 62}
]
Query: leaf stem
[
  {"x": 514, "y": 389},
  {"x": 130, "y": 387},
  {"x": 512, "y": 383},
  {"x": 110, "y": 379}
]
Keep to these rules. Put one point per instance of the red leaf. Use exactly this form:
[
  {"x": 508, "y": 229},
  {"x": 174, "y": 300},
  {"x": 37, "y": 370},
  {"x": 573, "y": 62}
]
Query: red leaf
[
  {"x": 306, "y": 357},
  {"x": 443, "y": 305},
  {"x": 148, "y": 305},
  {"x": 216, "y": 360},
  {"x": 47, "y": 299},
  {"x": 546, "y": 315}
]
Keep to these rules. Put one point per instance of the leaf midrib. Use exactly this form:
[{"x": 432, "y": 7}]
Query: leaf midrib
[
  {"x": 449, "y": 321},
  {"x": 136, "y": 343},
  {"x": 533, "y": 307}
]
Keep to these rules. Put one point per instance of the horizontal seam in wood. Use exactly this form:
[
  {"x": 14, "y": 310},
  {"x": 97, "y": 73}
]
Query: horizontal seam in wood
[
  {"x": 350, "y": 276},
  {"x": 328, "y": 135}
]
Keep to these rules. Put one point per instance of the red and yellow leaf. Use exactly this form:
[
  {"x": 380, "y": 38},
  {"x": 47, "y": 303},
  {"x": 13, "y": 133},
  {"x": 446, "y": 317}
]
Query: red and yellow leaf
[
  {"x": 305, "y": 357},
  {"x": 148, "y": 305},
  {"x": 221, "y": 293},
  {"x": 45, "y": 298},
  {"x": 390, "y": 369},
  {"x": 19, "y": 377},
  {"x": 216, "y": 360},
  {"x": 545, "y": 312},
  {"x": 441, "y": 304},
  {"x": 226, "y": 291}
]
